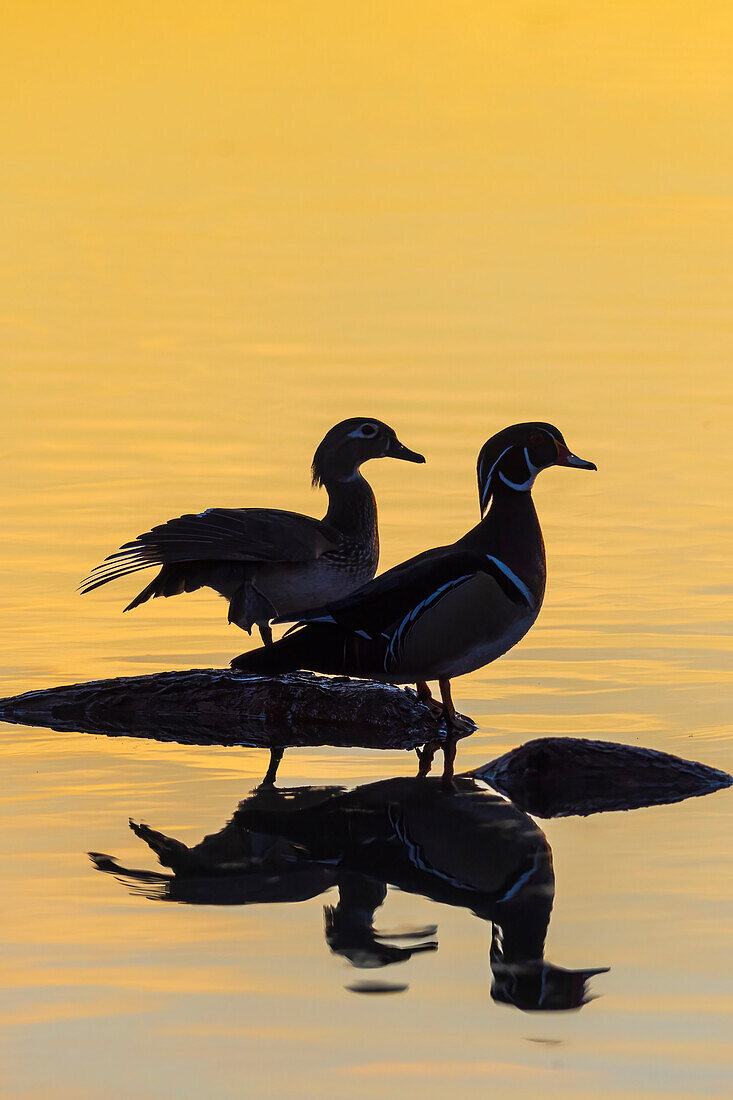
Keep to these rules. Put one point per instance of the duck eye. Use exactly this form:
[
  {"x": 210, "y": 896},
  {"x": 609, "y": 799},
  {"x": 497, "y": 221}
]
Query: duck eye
[{"x": 369, "y": 431}]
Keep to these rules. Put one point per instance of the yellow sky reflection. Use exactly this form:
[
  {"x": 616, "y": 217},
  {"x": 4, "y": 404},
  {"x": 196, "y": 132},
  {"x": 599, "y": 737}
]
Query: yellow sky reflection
[{"x": 228, "y": 226}]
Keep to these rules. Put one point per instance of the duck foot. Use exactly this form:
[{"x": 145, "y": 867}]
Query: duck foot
[
  {"x": 424, "y": 696},
  {"x": 445, "y": 710},
  {"x": 458, "y": 725},
  {"x": 426, "y": 755},
  {"x": 461, "y": 725}
]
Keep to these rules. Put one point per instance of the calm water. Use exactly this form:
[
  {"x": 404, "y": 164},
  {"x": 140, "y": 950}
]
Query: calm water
[{"x": 227, "y": 230}]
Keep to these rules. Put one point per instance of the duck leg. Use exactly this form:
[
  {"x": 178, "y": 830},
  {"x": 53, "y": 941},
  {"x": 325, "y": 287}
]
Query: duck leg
[
  {"x": 456, "y": 727},
  {"x": 426, "y": 755},
  {"x": 266, "y": 632},
  {"x": 453, "y": 726},
  {"x": 452, "y": 720},
  {"x": 276, "y": 756},
  {"x": 425, "y": 696}
]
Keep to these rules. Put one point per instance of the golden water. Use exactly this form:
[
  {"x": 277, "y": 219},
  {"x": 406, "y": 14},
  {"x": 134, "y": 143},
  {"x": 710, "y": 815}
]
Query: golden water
[{"x": 228, "y": 226}]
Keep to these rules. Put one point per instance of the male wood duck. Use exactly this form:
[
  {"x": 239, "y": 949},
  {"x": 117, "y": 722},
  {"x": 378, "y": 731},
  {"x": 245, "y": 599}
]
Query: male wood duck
[
  {"x": 473, "y": 850},
  {"x": 450, "y": 610},
  {"x": 264, "y": 561}
]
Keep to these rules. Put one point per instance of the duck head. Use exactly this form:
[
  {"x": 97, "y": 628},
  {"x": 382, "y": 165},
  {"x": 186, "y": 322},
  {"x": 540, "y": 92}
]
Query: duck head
[
  {"x": 353, "y": 442},
  {"x": 513, "y": 457},
  {"x": 533, "y": 984},
  {"x": 542, "y": 987}
]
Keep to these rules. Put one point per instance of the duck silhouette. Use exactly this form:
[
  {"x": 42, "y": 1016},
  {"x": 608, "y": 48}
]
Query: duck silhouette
[
  {"x": 450, "y": 610},
  {"x": 264, "y": 561},
  {"x": 471, "y": 849}
]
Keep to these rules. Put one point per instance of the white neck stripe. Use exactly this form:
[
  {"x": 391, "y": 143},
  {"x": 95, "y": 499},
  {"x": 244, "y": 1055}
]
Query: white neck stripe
[
  {"x": 487, "y": 483},
  {"x": 525, "y": 485}
]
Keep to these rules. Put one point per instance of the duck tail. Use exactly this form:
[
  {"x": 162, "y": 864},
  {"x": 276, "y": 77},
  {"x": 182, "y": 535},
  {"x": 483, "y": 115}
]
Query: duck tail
[{"x": 307, "y": 648}]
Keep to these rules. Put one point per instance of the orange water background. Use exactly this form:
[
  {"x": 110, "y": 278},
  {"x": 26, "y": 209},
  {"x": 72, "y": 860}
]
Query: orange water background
[{"x": 228, "y": 226}]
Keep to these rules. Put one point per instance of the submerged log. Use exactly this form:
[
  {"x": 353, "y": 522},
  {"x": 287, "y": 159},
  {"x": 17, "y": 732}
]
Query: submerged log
[
  {"x": 547, "y": 777},
  {"x": 221, "y": 707},
  {"x": 568, "y": 776}
]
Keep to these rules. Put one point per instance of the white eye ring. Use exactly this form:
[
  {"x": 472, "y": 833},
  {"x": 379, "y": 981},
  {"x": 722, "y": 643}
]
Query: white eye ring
[{"x": 368, "y": 431}]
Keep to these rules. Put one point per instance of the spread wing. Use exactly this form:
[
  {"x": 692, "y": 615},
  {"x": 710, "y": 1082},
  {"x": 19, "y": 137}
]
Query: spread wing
[{"x": 220, "y": 534}]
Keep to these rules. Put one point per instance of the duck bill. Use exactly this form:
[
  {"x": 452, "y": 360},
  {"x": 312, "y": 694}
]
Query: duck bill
[
  {"x": 395, "y": 449},
  {"x": 567, "y": 458}
]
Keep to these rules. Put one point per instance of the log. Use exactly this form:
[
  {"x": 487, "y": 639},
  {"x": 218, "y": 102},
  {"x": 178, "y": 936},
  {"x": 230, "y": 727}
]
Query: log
[
  {"x": 568, "y": 776},
  {"x": 222, "y": 707},
  {"x": 547, "y": 777}
]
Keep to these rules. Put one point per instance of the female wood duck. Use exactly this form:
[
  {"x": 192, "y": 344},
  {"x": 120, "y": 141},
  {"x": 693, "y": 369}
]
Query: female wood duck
[
  {"x": 450, "y": 610},
  {"x": 473, "y": 850},
  {"x": 267, "y": 562}
]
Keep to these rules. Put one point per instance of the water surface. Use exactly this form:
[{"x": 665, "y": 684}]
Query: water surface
[{"x": 228, "y": 228}]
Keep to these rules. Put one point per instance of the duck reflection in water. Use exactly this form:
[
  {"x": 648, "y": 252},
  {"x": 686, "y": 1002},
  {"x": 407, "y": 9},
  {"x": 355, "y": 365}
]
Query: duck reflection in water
[{"x": 472, "y": 849}]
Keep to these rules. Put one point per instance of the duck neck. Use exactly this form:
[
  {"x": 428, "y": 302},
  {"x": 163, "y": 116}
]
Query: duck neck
[
  {"x": 352, "y": 509},
  {"x": 511, "y": 532},
  {"x": 519, "y": 936},
  {"x": 523, "y": 915}
]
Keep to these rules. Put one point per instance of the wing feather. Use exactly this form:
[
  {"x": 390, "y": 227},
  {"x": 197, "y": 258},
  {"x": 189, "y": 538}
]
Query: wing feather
[{"x": 220, "y": 534}]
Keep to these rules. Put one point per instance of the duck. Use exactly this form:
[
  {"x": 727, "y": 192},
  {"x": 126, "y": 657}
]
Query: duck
[
  {"x": 450, "y": 610},
  {"x": 267, "y": 562},
  {"x": 475, "y": 851}
]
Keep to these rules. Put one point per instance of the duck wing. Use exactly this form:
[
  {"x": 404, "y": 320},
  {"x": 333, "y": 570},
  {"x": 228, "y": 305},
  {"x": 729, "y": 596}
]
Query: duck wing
[
  {"x": 220, "y": 534},
  {"x": 381, "y": 605},
  {"x": 365, "y": 633}
]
